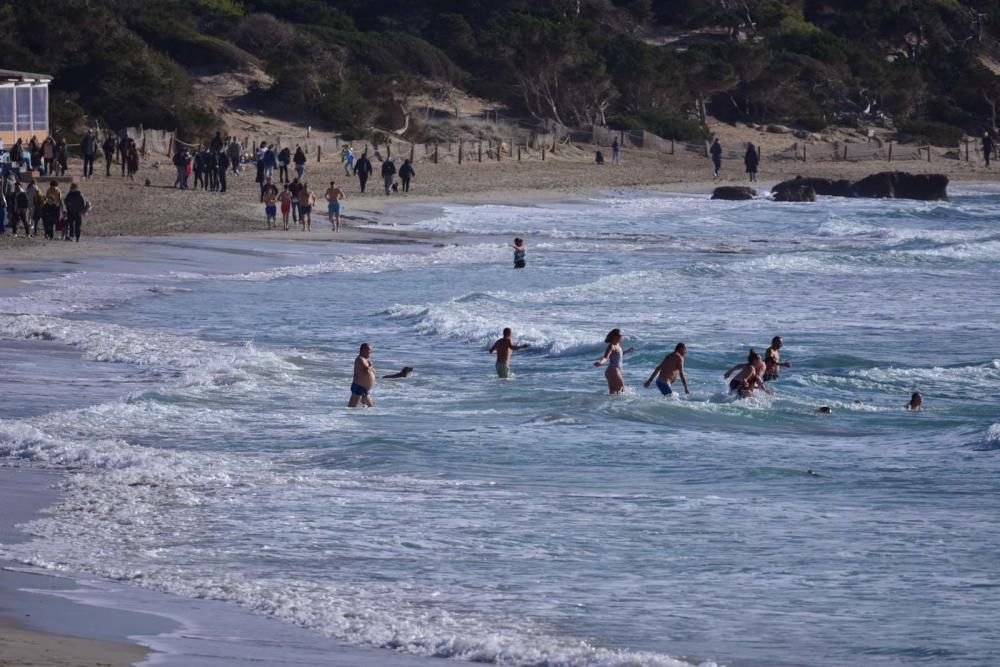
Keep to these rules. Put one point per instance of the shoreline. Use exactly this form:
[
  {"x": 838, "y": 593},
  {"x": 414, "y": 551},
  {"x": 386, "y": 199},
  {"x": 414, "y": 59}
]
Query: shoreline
[{"x": 46, "y": 630}]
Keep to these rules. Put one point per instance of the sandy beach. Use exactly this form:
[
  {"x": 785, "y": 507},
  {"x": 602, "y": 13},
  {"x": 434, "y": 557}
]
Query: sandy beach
[{"x": 123, "y": 208}]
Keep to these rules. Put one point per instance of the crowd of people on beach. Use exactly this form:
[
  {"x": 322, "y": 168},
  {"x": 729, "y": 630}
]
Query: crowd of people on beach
[{"x": 23, "y": 207}]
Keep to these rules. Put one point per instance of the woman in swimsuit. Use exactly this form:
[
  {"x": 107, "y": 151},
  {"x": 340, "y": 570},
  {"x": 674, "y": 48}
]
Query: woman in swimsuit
[
  {"x": 749, "y": 377},
  {"x": 613, "y": 358}
]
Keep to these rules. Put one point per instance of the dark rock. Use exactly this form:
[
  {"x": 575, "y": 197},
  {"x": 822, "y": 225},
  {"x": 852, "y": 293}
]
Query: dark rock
[
  {"x": 796, "y": 193},
  {"x": 821, "y": 186},
  {"x": 734, "y": 193},
  {"x": 901, "y": 185}
]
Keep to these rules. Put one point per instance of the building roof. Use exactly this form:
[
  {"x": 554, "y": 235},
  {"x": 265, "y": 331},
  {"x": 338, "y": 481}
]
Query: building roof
[{"x": 9, "y": 75}]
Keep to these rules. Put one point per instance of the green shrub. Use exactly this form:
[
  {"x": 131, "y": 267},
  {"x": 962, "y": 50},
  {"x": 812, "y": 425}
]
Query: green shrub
[
  {"x": 938, "y": 134},
  {"x": 662, "y": 123}
]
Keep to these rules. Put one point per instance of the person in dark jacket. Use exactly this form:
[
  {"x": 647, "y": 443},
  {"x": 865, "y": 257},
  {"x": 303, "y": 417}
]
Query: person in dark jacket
[
  {"x": 388, "y": 174},
  {"x": 406, "y": 173},
  {"x": 716, "y": 152},
  {"x": 284, "y": 157},
  {"x": 988, "y": 147},
  {"x": 363, "y": 169},
  {"x": 222, "y": 165},
  {"x": 300, "y": 162},
  {"x": 199, "y": 169},
  {"x": 88, "y": 146},
  {"x": 20, "y": 210},
  {"x": 217, "y": 144},
  {"x": 76, "y": 206},
  {"x": 751, "y": 160},
  {"x": 123, "y": 149},
  {"x": 109, "y": 153}
]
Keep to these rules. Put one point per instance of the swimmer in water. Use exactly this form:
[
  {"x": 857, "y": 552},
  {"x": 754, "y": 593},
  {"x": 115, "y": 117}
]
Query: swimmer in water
[
  {"x": 772, "y": 360},
  {"x": 503, "y": 348},
  {"x": 401, "y": 374},
  {"x": 916, "y": 401},
  {"x": 824, "y": 410},
  {"x": 519, "y": 251},
  {"x": 613, "y": 358},
  {"x": 749, "y": 376},
  {"x": 669, "y": 370}
]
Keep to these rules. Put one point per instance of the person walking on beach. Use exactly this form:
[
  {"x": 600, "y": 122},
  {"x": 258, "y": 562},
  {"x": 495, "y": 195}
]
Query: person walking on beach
[
  {"x": 406, "y": 173},
  {"x": 306, "y": 200},
  {"x": 616, "y": 152},
  {"x": 76, "y": 208},
  {"x": 88, "y": 146},
  {"x": 20, "y": 210},
  {"x": 669, "y": 370},
  {"x": 181, "y": 163},
  {"x": 334, "y": 195},
  {"x": 284, "y": 158},
  {"x": 270, "y": 207},
  {"x": 519, "y": 252},
  {"x": 716, "y": 151},
  {"x": 749, "y": 377},
  {"x": 269, "y": 160},
  {"x": 37, "y": 203},
  {"x": 363, "y": 169},
  {"x": 52, "y": 209},
  {"x": 295, "y": 188},
  {"x": 300, "y": 162},
  {"x": 285, "y": 201},
  {"x": 222, "y": 168},
  {"x": 348, "y": 156},
  {"x": 388, "y": 174},
  {"x": 751, "y": 160},
  {"x": 988, "y": 147},
  {"x": 503, "y": 348},
  {"x": 772, "y": 360},
  {"x": 613, "y": 358},
  {"x": 131, "y": 160},
  {"x": 364, "y": 378},
  {"x": 234, "y": 151},
  {"x": 109, "y": 153},
  {"x": 123, "y": 141}
]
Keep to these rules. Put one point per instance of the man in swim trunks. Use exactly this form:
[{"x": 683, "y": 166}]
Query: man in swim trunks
[
  {"x": 669, "y": 370},
  {"x": 333, "y": 197},
  {"x": 503, "y": 347},
  {"x": 364, "y": 378},
  {"x": 772, "y": 360}
]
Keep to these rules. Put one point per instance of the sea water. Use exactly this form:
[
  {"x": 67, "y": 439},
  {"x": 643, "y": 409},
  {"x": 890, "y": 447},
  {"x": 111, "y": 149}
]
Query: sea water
[{"x": 537, "y": 520}]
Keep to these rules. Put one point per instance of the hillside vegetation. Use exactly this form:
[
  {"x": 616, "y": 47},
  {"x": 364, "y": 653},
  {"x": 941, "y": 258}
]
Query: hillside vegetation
[{"x": 923, "y": 66}]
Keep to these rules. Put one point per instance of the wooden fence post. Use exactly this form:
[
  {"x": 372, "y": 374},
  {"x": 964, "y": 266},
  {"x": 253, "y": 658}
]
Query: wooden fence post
[
  {"x": 319, "y": 152},
  {"x": 890, "y": 151},
  {"x": 928, "y": 153},
  {"x": 845, "y": 151},
  {"x": 519, "y": 152},
  {"x": 499, "y": 149},
  {"x": 388, "y": 150},
  {"x": 435, "y": 152},
  {"x": 460, "y": 142},
  {"x": 480, "y": 150},
  {"x": 543, "y": 152},
  {"x": 966, "y": 150},
  {"x": 411, "y": 153},
  {"x": 671, "y": 146}
]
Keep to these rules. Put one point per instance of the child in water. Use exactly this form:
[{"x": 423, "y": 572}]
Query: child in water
[{"x": 519, "y": 251}]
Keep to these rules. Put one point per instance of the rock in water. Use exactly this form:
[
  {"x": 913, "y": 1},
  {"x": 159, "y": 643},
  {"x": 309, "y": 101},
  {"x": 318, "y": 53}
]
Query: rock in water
[
  {"x": 821, "y": 186},
  {"x": 797, "y": 193},
  {"x": 901, "y": 185},
  {"x": 734, "y": 193}
]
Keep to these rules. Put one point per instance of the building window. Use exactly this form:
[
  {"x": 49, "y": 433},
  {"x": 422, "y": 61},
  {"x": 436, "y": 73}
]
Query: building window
[
  {"x": 7, "y": 109},
  {"x": 24, "y": 109},
  {"x": 40, "y": 108}
]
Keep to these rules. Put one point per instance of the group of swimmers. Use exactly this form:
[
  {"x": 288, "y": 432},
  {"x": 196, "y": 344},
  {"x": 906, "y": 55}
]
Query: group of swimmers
[{"x": 747, "y": 377}]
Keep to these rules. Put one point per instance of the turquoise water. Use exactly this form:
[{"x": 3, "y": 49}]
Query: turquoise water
[{"x": 538, "y": 521}]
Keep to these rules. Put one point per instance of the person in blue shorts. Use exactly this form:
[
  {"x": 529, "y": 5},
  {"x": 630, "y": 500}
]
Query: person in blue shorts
[
  {"x": 669, "y": 370},
  {"x": 334, "y": 195},
  {"x": 364, "y": 378}
]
